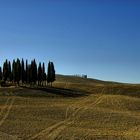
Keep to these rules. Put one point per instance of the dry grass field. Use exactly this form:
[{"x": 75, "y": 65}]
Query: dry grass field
[{"x": 100, "y": 111}]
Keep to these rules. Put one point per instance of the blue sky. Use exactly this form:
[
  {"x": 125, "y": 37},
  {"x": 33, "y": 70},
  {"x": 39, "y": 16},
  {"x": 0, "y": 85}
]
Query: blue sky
[{"x": 100, "y": 38}]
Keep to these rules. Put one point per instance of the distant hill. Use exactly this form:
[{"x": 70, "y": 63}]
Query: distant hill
[
  {"x": 93, "y": 86},
  {"x": 76, "y": 79}
]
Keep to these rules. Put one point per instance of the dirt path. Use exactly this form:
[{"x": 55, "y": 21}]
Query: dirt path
[
  {"x": 5, "y": 105},
  {"x": 6, "y": 109},
  {"x": 53, "y": 131},
  {"x": 4, "y": 114}
]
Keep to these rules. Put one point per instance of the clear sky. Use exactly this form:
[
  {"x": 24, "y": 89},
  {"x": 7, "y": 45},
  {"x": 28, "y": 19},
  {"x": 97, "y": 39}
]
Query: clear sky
[{"x": 100, "y": 38}]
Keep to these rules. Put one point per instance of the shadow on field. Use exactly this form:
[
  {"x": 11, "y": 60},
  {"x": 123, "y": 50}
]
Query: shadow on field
[{"x": 57, "y": 91}]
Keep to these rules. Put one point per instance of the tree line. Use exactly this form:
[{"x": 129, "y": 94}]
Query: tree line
[{"x": 27, "y": 73}]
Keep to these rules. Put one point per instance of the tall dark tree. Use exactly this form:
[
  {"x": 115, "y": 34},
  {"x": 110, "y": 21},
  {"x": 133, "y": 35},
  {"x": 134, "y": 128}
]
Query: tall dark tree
[
  {"x": 43, "y": 73},
  {"x": 22, "y": 71},
  {"x": 10, "y": 77},
  {"x": 0, "y": 73},
  {"x": 39, "y": 75},
  {"x": 27, "y": 72},
  {"x": 18, "y": 69},
  {"x": 31, "y": 67},
  {"x": 5, "y": 70},
  {"x": 14, "y": 71},
  {"x": 51, "y": 73},
  {"x": 34, "y": 71},
  {"x": 30, "y": 73}
]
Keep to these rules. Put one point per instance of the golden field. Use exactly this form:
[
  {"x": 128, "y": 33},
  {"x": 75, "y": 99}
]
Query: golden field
[{"x": 76, "y": 109}]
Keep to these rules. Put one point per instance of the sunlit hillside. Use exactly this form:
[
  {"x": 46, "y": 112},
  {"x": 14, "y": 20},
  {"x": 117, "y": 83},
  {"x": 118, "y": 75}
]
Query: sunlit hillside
[{"x": 103, "y": 111}]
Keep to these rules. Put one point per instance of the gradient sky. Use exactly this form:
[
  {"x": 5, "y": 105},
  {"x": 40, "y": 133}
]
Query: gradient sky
[{"x": 100, "y": 38}]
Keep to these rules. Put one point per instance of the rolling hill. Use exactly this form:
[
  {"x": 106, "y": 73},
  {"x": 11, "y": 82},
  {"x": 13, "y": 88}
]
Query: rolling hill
[{"x": 103, "y": 111}]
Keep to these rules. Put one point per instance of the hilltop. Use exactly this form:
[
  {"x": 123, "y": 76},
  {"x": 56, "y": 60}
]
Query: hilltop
[{"x": 93, "y": 85}]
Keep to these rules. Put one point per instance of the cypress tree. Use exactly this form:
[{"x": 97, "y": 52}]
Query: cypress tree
[
  {"x": 22, "y": 71},
  {"x": 27, "y": 72},
  {"x": 43, "y": 73},
  {"x": 34, "y": 71},
  {"x": 51, "y": 73},
  {"x": 18, "y": 74},
  {"x": 39, "y": 75},
  {"x": 31, "y": 67},
  {"x": 5, "y": 70},
  {"x": 0, "y": 73},
  {"x": 9, "y": 71},
  {"x": 30, "y": 73},
  {"x": 14, "y": 70}
]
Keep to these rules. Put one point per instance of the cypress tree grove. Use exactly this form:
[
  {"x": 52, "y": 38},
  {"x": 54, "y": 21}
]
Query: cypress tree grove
[{"x": 31, "y": 73}]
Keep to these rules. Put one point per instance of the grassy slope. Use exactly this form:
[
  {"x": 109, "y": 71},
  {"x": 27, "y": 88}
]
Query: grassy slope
[{"x": 110, "y": 111}]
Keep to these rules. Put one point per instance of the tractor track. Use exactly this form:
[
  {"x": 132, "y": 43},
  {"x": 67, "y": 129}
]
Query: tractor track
[
  {"x": 5, "y": 106},
  {"x": 53, "y": 131},
  {"x": 6, "y": 109},
  {"x": 4, "y": 113}
]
